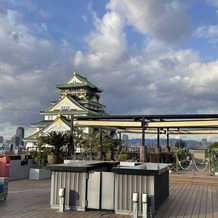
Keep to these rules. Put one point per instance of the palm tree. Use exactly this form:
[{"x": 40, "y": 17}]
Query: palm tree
[{"x": 57, "y": 140}]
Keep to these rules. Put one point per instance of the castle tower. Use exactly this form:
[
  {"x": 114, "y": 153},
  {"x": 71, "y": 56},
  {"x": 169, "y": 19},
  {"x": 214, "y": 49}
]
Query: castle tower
[{"x": 77, "y": 97}]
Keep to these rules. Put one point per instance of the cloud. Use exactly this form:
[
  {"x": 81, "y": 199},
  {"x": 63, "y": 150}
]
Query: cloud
[
  {"x": 207, "y": 32},
  {"x": 106, "y": 44},
  {"x": 33, "y": 8},
  {"x": 30, "y": 67},
  {"x": 213, "y": 2},
  {"x": 158, "y": 79},
  {"x": 158, "y": 19}
]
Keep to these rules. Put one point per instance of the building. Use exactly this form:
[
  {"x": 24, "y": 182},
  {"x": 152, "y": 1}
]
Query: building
[
  {"x": 77, "y": 97},
  {"x": 204, "y": 143},
  {"x": 125, "y": 142},
  {"x": 15, "y": 141},
  {"x": 1, "y": 141},
  {"x": 20, "y": 135}
]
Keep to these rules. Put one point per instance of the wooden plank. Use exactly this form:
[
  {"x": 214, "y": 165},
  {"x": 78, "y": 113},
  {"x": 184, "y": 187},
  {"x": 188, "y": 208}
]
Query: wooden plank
[
  {"x": 179, "y": 210},
  {"x": 173, "y": 192},
  {"x": 215, "y": 201},
  {"x": 203, "y": 205},
  {"x": 173, "y": 200},
  {"x": 209, "y": 211},
  {"x": 188, "y": 199},
  {"x": 190, "y": 206},
  {"x": 197, "y": 203}
]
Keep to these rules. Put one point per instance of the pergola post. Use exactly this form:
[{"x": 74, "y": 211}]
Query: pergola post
[
  {"x": 100, "y": 146},
  {"x": 143, "y": 148},
  {"x": 120, "y": 145},
  {"x": 168, "y": 141},
  {"x": 158, "y": 148},
  {"x": 71, "y": 145}
]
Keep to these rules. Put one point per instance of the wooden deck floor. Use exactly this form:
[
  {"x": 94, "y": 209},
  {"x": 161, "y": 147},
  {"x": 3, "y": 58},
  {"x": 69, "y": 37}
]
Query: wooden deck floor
[
  {"x": 187, "y": 200},
  {"x": 30, "y": 199}
]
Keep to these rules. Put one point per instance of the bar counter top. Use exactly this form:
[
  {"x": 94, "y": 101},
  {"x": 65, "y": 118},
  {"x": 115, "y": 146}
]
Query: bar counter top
[
  {"x": 142, "y": 169},
  {"x": 132, "y": 168},
  {"x": 83, "y": 166}
]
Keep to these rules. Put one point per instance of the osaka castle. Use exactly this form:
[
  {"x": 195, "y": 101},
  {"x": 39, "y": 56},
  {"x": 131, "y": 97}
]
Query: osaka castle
[{"x": 77, "y": 97}]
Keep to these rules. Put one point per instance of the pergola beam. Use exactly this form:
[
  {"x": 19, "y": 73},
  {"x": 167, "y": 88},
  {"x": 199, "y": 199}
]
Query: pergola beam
[
  {"x": 175, "y": 132},
  {"x": 182, "y": 124},
  {"x": 107, "y": 123}
]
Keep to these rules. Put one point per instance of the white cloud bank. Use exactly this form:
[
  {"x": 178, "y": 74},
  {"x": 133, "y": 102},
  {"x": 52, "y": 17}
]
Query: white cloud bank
[
  {"x": 160, "y": 78},
  {"x": 157, "y": 78},
  {"x": 29, "y": 70}
]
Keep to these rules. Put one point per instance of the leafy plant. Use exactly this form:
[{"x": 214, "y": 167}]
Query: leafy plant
[
  {"x": 212, "y": 154},
  {"x": 213, "y": 145},
  {"x": 40, "y": 154},
  {"x": 91, "y": 145},
  {"x": 122, "y": 157},
  {"x": 182, "y": 155},
  {"x": 58, "y": 141},
  {"x": 180, "y": 144}
]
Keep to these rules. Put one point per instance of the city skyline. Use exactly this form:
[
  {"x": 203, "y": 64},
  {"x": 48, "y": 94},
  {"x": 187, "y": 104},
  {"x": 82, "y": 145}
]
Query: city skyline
[{"x": 149, "y": 57}]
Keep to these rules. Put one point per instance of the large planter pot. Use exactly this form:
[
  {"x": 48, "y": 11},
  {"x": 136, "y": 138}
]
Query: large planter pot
[
  {"x": 53, "y": 159},
  {"x": 39, "y": 173}
]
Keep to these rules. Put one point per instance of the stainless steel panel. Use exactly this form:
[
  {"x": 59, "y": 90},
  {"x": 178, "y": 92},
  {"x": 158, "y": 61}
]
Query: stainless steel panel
[
  {"x": 75, "y": 189},
  {"x": 107, "y": 193},
  {"x": 125, "y": 185},
  {"x": 93, "y": 192}
]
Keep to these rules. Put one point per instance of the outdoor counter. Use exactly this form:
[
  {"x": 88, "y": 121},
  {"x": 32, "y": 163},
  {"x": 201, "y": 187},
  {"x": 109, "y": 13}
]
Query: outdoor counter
[
  {"x": 148, "y": 178},
  {"x": 108, "y": 185}
]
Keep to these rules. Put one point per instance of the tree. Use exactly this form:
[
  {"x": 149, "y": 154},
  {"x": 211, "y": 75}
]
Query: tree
[
  {"x": 77, "y": 140},
  {"x": 57, "y": 140},
  {"x": 213, "y": 145},
  {"x": 180, "y": 144},
  {"x": 90, "y": 144},
  {"x": 92, "y": 141}
]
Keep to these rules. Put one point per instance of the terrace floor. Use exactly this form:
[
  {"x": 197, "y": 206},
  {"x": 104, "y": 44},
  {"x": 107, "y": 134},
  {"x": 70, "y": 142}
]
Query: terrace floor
[{"x": 190, "y": 196}]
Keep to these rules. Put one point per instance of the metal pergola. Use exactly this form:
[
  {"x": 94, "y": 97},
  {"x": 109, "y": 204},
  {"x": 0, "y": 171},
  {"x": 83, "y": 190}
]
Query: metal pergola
[{"x": 176, "y": 124}]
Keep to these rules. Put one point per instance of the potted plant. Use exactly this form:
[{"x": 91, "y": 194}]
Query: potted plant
[
  {"x": 39, "y": 154},
  {"x": 40, "y": 157},
  {"x": 212, "y": 154},
  {"x": 58, "y": 142}
]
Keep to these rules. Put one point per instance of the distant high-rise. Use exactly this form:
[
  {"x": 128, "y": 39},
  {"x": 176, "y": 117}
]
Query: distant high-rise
[
  {"x": 125, "y": 140},
  {"x": 204, "y": 142},
  {"x": 1, "y": 139},
  {"x": 15, "y": 140},
  {"x": 20, "y": 134}
]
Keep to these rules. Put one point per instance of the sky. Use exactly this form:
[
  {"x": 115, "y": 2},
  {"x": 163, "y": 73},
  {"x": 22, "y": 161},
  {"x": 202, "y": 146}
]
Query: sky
[{"x": 149, "y": 57}]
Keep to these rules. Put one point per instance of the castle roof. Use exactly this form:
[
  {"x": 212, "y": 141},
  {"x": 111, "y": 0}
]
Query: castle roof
[{"x": 78, "y": 81}]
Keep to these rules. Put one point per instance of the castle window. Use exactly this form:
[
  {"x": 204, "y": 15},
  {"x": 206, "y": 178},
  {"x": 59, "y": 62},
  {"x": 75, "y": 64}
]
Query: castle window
[{"x": 65, "y": 107}]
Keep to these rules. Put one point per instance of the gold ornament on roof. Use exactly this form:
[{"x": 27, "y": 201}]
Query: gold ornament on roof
[{"x": 82, "y": 96}]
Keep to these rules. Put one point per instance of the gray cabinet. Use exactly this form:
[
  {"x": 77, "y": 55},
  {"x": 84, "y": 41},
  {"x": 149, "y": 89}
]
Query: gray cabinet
[{"x": 100, "y": 190}]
